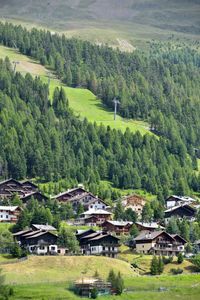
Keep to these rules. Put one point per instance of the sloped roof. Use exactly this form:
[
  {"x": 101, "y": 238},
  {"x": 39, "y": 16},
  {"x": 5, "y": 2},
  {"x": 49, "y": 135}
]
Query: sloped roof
[
  {"x": 186, "y": 206},
  {"x": 44, "y": 227},
  {"x": 9, "y": 208},
  {"x": 145, "y": 235},
  {"x": 96, "y": 212},
  {"x": 119, "y": 223},
  {"x": 182, "y": 198},
  {"x": 152, "y": 225},
  {"x": 40, "y": 233}
]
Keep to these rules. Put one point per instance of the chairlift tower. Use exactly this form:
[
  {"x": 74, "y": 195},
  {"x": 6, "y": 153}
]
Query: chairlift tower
[
  {"x": 116, "y": 102},
  {"x": 15, "y": 63}
]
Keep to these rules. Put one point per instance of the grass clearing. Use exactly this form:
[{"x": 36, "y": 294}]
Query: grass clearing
[{"x": 83, "y": 102}]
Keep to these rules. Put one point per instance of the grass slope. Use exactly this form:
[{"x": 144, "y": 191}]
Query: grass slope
[
  {"x": 49, "y": 278},
  {"x": 82, "y": 101},
  {"x": 39, "y": 269}
]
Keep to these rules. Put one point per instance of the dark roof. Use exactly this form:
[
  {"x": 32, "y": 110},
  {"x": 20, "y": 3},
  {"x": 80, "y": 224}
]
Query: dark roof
[
  {"x": 184, "y": 206},
  {"x": 28, "y": 182},
  {"x": 22, "y": 232},
  {"x": 34, "y": 193},
  {"x": 37, "y": 234},
  {"x": 179, "y": 237},
  {"x": 101, "y": 236},
  {"x": 118, "y": 223},
  {"x": 10, "y": 179}
]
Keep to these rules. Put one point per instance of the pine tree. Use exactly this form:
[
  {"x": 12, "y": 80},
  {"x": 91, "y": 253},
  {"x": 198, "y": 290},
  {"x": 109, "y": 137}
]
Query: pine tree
[{"x": 154, "y": 266}]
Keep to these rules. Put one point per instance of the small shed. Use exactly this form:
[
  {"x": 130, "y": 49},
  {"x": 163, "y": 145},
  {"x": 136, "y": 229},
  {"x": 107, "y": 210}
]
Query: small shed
[{"x": 84, "y": 287}]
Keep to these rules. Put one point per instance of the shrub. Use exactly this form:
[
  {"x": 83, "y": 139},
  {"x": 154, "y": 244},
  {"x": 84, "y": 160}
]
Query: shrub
[
  {"x": 180, "y": 258},
  {"x": 94, "y": 293},
  {"x": 176, "y": 271},
  {"x": 196, "y": 261},
  {"x": 167, "y": 260}
]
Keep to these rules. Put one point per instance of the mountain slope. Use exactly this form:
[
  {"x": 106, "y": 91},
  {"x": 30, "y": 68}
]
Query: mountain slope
[{"x": 127, "y": 18}]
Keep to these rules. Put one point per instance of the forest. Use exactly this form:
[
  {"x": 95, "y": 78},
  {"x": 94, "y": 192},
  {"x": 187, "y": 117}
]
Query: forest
[{"x": 45, "y": 140}]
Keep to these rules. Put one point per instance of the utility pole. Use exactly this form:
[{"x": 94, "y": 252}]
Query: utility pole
[
  {"x": 116, "y": 102},
  {"x": 15, "y": 63}
]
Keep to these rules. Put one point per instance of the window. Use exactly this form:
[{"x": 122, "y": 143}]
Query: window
[
  {"x": 42, "y": 247},
  {"x": 53, "y": 248},
  {"x": 6, "y": 216},
  {"x": 59, "y": 251}
]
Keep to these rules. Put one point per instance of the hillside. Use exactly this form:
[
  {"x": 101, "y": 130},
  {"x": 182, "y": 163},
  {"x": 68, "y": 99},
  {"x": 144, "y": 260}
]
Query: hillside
[
  {"x": 122, "y": 23},
  {"x": 48, "y": 278},
  {"x": 83, "y": 102},
  {"x": 51, "y": 269}
]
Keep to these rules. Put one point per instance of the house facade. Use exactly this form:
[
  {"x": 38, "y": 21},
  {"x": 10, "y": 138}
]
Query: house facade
[
  {"x": 95, "y": 216},
  {"x": 135, "y": 202},
  {"x": 9, "y": 214},
  {"x": 159, "y": 243},
  {"x": 119, "y": 227},
  {"x": 99, "y": 243},
  {"x": 180, "y": 212}
]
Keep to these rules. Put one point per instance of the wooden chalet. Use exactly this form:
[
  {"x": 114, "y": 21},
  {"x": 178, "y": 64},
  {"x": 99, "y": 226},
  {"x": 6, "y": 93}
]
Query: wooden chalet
[
  {"x": 37, "y": 241},
  {"x": 70, "y": 194},
  {"x": 159, "y": 243},
  {"x": 43, "y": 227},
  {"x": 25, "y": 190},
  {"x": 180, "y": 212},
  {"x": 151, "y": 226},
  {"x": 119, "y": 227},
  {"x": 10, "y": 187},
  {"x": 9, "y": 214},
  {"x": 99, "y": 243},
  {"x": 135, "y": 202},
  {"x": 36, "y": 195},
  {"x": 178, "y": 200},
  {"x": 95, "y": 216}
]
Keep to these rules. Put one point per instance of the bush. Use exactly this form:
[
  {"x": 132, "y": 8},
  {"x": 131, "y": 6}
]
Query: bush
[
  {"x": 196, "y": 261},
  {"x": 94, "y": 293},
  {"x": 167, "y": 260},
  {"x": 180, "y": 258},
  {"x": 176, "y": 271}
]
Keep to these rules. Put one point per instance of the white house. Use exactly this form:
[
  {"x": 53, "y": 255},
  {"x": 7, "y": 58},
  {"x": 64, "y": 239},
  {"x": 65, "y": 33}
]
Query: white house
[{"x": 9, "y": 214}]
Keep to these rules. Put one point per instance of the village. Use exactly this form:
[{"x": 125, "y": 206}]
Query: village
[{"x": 97, "y": 231}]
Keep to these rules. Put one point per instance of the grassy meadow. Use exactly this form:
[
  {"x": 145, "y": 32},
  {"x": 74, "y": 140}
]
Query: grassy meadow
[
  {"x": 83, "y": 102},
  {"x": 49, "y": 278}
]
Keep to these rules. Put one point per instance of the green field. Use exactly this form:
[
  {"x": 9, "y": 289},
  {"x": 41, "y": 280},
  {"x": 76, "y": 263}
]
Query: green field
[
  {"x": 49, "y": 278},
  {"x": 83, "y": 102}
]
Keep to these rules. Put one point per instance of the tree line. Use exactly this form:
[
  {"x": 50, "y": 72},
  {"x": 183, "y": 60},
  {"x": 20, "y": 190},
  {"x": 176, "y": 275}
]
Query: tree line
[{"x": 45, "y": 140}]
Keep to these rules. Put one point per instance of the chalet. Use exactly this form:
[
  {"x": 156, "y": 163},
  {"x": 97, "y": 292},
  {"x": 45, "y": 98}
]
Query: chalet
[
  {"x": 119, "y": 227},
  {"x": 79, "y": 196},
  {"x": 82, "y": 233},
  {"x": 178, "y": 200},
  {"x": 36, "y": 195},
  {"x": 99, "y": 243},
  {"x": 152, "y": 226},
  {"x": 25, "y": 190},
  {"x": 159, "y": 243},
  {"x": 9, "y": 214},
  {"x": 10, "y": 187},
  {"x": 98, "y": 216},
  {"x": 180, "y": 212},
  {"x": 37, "y": 241},
  {"x": 135, "y": 202}
]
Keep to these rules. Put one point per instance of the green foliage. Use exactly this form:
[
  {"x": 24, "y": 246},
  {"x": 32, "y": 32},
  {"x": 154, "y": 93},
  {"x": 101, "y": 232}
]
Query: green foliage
[
  {"x": 196, "y": 261},
  {"x": 16, "y": 250},
  {"x": 154, "y": 266},
  {"x": 180, "y": 258},
  {"x": 116, "y": 281},
  {"x": 160, "y": 265},
  {"x": 176, "y": 271},
  {"x": 94, "y": 293},
  {"x": 67, "y": 238}
]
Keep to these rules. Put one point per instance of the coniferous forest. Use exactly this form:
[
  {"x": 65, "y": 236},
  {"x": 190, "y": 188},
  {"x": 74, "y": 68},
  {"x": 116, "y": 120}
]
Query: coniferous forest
[{"x": 43, "y": 139}]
